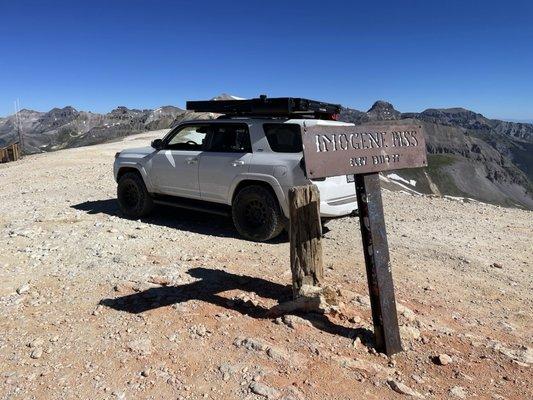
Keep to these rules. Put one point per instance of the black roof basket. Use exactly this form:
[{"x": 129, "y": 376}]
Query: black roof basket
[{"x": 269, "y": 107}]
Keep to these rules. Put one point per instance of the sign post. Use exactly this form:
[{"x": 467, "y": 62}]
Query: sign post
[
  {"x": 364, "y": 151},
  {"x": 378, "y": 268}
]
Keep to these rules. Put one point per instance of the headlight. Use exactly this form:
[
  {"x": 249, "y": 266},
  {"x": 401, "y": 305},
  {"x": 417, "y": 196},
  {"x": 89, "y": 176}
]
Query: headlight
[{"x": 117, "y": 154}]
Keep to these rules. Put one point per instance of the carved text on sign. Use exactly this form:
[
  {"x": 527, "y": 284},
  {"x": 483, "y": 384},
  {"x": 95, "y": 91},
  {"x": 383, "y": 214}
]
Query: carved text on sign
[
  {"x": 365, "y": 140},
  {"x": 331, "y": 150}
]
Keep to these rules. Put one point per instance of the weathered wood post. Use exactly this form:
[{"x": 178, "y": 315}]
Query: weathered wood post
[
  {"x": 305, "y": 233},
  {"x": 377, "y": 261}
]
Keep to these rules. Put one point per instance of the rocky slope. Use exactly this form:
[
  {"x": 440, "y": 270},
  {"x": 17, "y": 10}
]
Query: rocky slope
[
  {"x": 469, "y": 155},
  {"x": 67, "y": 127}
]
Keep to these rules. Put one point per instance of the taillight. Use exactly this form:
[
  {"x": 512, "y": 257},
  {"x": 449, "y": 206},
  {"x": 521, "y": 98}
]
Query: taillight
[{"x": 302, "y": 164}]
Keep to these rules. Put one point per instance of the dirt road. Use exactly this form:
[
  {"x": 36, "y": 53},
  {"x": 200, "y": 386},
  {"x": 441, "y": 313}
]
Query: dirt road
[{"x": 95, "y": 306}]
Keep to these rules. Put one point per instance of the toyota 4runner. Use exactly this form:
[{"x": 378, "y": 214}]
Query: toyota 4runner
[{"x": 241, "y": 164}]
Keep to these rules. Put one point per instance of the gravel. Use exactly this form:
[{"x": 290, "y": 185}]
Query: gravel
[{"x": 187, "y": 287}]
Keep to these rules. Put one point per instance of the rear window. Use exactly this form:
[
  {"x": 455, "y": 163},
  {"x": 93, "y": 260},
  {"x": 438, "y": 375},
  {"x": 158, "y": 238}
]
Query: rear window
[{"x": 284, "y": 138}]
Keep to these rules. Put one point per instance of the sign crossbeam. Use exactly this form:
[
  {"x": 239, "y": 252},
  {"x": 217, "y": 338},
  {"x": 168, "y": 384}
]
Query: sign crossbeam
[{"x": 331, "y": 150}]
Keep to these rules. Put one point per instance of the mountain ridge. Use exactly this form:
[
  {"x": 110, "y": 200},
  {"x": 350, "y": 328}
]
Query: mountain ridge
[
  {"x": 470, "y": 155},
  {"x": 67, "y": 127}
]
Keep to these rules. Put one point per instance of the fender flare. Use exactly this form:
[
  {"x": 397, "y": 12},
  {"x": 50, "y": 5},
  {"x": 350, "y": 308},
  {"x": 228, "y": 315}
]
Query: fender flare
[
  {"x": 141, "y": 170},
  {"x": 268, "y": 179}
]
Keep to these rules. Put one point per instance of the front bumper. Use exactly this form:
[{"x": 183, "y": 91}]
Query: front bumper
[{"x": 116, "y": 166}]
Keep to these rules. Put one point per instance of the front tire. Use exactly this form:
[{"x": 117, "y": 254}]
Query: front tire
[
  {"x": 256, "y": 214},
  {"x": 133, "y": 198}
]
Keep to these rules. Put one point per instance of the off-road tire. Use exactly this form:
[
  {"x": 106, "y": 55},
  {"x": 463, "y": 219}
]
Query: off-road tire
[
  {"x": 133, "y": 198},
  {"x": 256, "y": 214}
]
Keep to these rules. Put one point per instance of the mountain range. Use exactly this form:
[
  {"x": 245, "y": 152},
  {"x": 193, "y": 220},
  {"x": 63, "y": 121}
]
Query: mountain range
[
  {"x": 66, "y": 127},
  {"x": 470, "y": 156}
]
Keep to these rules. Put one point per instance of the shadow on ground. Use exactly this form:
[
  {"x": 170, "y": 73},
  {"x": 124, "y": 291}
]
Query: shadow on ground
[
  {"x": 176, "y": 218},
  {"x": 211, "y": 283}
]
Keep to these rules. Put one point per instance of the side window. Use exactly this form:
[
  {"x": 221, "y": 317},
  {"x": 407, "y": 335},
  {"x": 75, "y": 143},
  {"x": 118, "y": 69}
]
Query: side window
[
  {"x": 230, "y": 138},
  {"x": 190, "y": 137},
  {"x": 284, "y": 138}
]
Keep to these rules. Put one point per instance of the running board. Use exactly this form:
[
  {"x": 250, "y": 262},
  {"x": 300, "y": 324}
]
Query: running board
[{"x": 191, "y": 204}]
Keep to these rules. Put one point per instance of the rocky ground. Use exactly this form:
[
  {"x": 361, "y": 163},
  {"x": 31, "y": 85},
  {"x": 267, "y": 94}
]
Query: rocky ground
[{"x": 95, "y": 306}]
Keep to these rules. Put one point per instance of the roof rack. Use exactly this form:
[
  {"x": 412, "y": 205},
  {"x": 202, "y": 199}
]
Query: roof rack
[{"x": 271, "y": 107}]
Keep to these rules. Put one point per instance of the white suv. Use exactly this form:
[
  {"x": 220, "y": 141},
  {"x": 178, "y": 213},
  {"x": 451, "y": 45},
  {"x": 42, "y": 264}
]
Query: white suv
[{"x": 238, "y": 166}]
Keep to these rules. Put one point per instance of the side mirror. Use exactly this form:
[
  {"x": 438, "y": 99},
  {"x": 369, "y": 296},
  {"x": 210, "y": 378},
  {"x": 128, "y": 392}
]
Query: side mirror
[{"x": 157, "y": 144}]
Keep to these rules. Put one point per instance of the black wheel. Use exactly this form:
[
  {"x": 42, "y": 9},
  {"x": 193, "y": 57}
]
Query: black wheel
[
  {"x": 133, "y": 198},
  {"x": 256, "y": 214}
]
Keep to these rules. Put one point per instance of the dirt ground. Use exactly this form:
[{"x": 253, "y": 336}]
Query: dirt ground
[{"x": 96, "y": 306}]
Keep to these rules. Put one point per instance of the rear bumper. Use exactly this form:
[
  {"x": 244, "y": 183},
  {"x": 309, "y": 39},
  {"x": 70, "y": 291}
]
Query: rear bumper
[
  {"x": 337, "y": 197},
  {"x": 335, "y": 200},
  {"x": 339, "y": 207}
]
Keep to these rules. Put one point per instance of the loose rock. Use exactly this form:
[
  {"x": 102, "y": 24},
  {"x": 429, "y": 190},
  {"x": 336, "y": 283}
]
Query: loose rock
[
  {"x": 278, "y": 354},
  {"x": 36, "y": 353},
  {"x": 458, "y": 391},
  {"x": 160, "y": 280},
  {"x": 23, "y": 289},
  {"x": 292, "y": 321},
  {"x": 261, "y": 389},
  {"x": 252, "y": 344},
  {"x": 409, "y": 332},
  {"x": 228, "y": 371},
  {"x": 36, "y": 343},
  {"x": 403, "y": 389},
  {"x": 443, "y": 359},
  {"x": 199, "y": 330},
  {"x": 141, "y": 346}
]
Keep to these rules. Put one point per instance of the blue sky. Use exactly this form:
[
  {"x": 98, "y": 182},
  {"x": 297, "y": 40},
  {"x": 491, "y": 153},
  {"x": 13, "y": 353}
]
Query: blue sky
[{"x": 96, "y": 55}]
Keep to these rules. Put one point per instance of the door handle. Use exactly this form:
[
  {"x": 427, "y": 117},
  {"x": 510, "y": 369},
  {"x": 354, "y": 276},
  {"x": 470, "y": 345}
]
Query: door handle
[
  {"x": 191, "y": 160},
  {"x": 237, "y": 163}
]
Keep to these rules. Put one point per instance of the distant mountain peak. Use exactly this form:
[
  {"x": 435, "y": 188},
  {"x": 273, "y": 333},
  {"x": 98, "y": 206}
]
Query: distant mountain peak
[
  {"x": 225, "y": 96},
  {"x": 64, "y": 109},
  {"x": 65, "y": 112},
  {"x": 381, "y": 104},
  {"x": 26, "y": 111},
  {"x": 383, "y": 110}
]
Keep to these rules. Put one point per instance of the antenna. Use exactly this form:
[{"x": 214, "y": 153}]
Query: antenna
[{"x": 18, "y": 123}]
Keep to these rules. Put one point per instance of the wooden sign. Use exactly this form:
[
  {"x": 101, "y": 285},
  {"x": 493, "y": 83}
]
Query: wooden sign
[
  {"x": 365, "y": 150},
  {"x": 342, "y": 150}
]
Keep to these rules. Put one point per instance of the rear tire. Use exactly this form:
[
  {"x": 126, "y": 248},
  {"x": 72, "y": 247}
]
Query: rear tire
[
  {"x": 256, "y": 214},
  {"x": 133, "y": 198}
]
